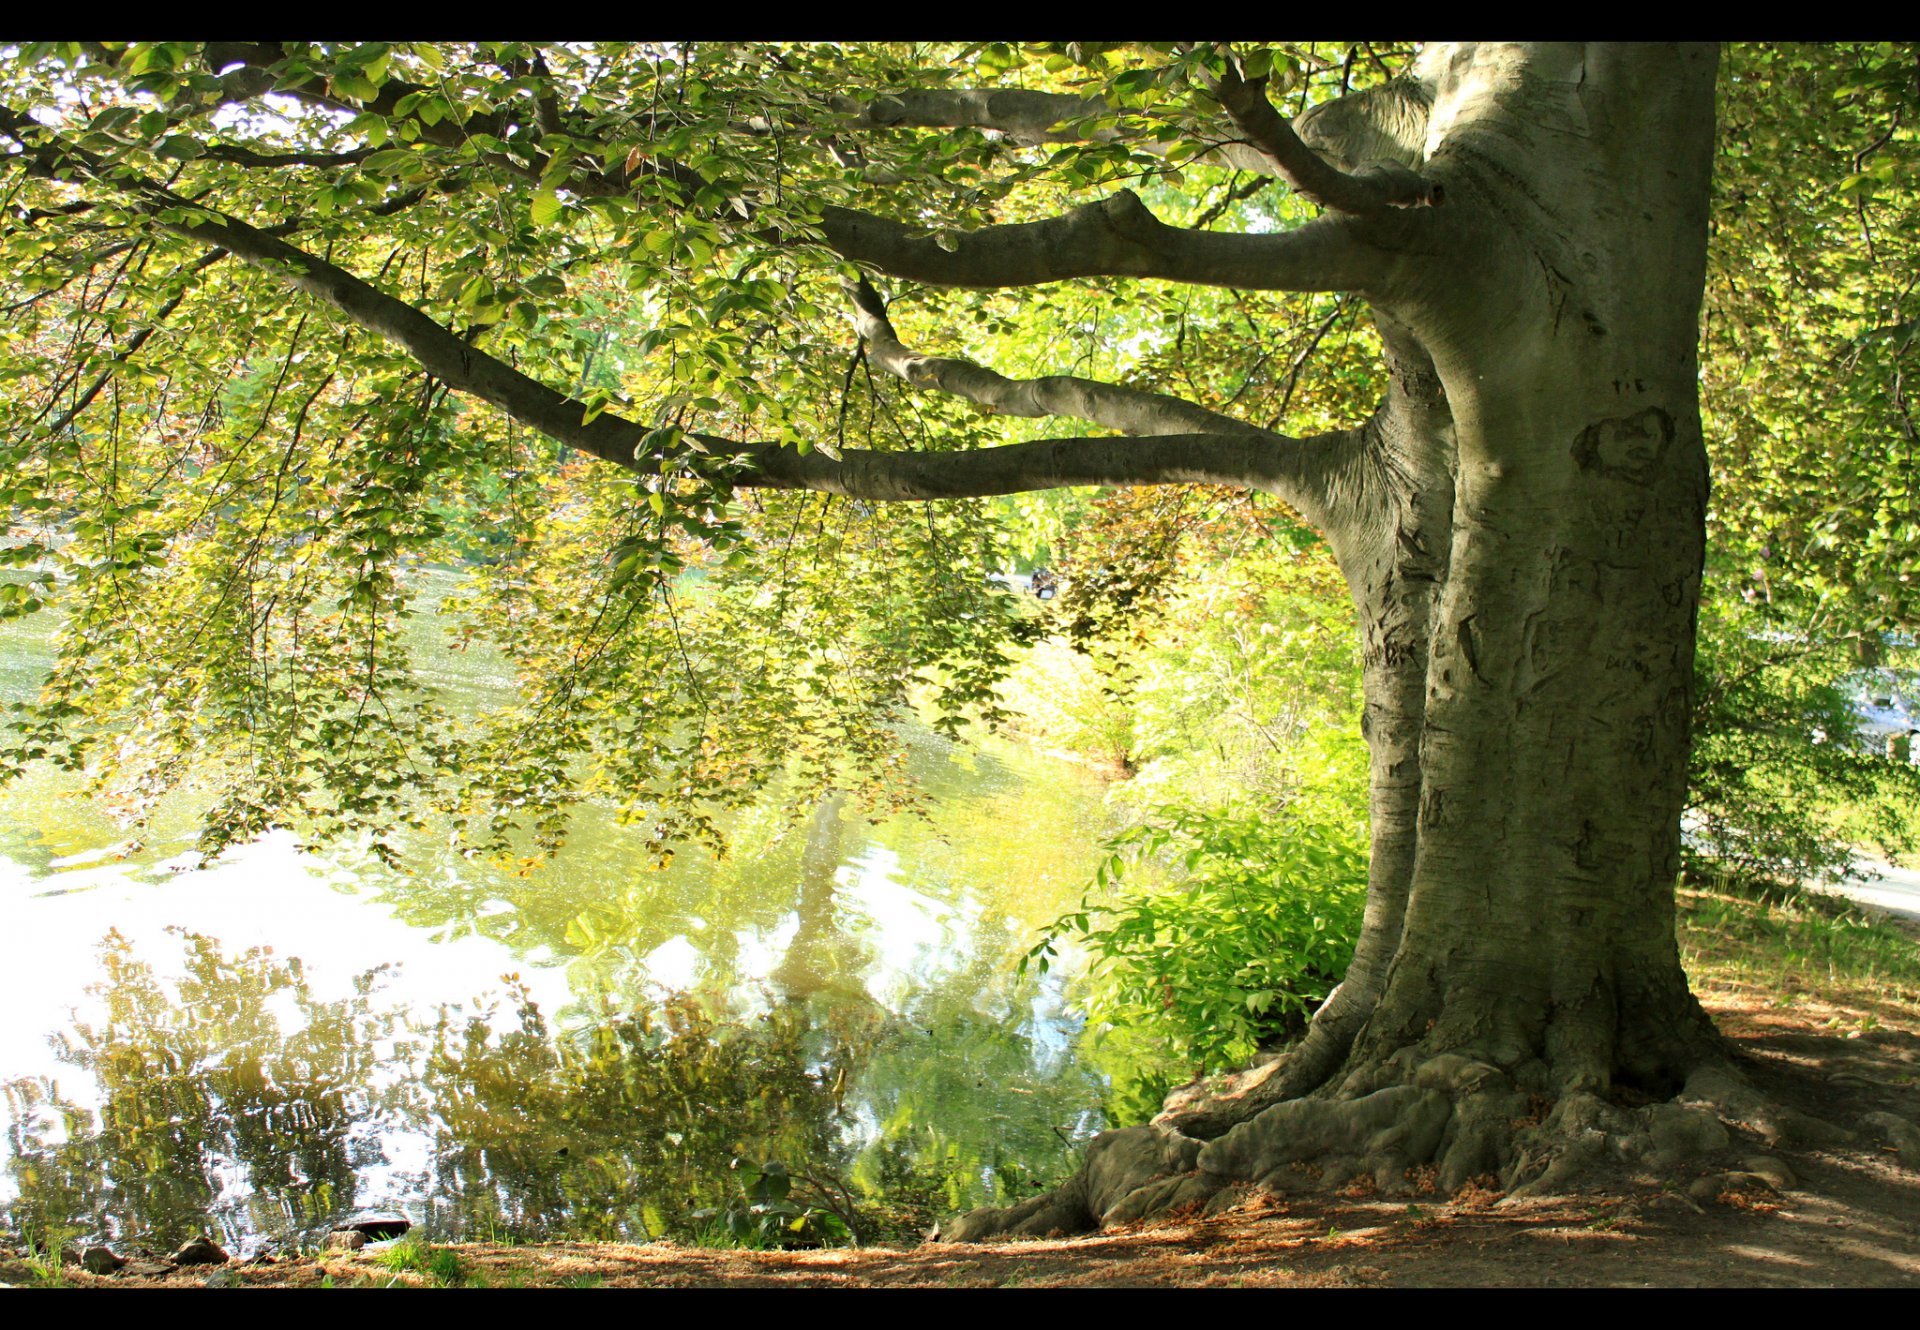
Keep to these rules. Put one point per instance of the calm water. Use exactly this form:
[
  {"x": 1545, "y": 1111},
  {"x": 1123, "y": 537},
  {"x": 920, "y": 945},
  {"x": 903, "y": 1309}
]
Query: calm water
[{"x": 256, "y": 1047}]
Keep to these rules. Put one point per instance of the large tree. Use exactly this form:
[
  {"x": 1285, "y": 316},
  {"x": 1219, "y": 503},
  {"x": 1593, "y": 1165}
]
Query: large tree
[{"x": 258, "y": 290}]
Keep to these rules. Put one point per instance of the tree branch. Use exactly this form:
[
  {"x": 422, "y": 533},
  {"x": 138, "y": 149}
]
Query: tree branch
[
  {"x": 239, "y": 156},
  {"x": 1116, "y": 237},
  {"x": 1020, "y": 116},
  {"x": 1299, "y": 471},
  {"x": 1124, "y": 409},
  {"x": 1024, "y": 117},
  {"x": 1368, "y": 189},
  {"x": 136, "y": 341},
  {"x": 1288, "y": 468},
  {"x": 252, "y": 77}
]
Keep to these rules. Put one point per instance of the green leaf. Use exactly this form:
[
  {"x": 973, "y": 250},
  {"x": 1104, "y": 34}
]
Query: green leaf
[{"x": 354, "y": 86}]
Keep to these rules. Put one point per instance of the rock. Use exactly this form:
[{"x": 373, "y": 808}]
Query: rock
[
  {"x": 1777, "y": 1174},
  {"x": 378, "y": 1225},
  {"x": 200, "y": 1251},
  {"x": 1680, "y": 1133},
  {"x": 1715, "y": 1185},
  {"x": 1224, "y": 1200},
  {"x": 225, "y": 1277},
  {"x": 1897, "y": 1132},
  {"x": 346, "y": 1239},
  {"x": 99, "y": 1261},
  {"x": 149, "y": 1269},
  {"x": 1705, "y": 1191}
]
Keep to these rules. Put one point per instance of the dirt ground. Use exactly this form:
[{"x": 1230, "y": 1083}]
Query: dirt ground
[{"x": 1852, "y": 1217}]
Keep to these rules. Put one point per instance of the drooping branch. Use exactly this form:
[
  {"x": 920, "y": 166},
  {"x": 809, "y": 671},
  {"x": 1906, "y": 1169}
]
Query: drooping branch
[
  {"x": 136, "y": 341},
  {"x": 436, "y": 348},
  {"x": 1125, "y": 409},
  {"x": 1368, "y": 189},
  {"x": 1116, "y": 237}
]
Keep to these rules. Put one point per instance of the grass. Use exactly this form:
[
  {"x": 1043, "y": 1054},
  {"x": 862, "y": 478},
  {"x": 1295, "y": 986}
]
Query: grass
[
  {"x": 440, "y": 1266},
  {"x": 1793, "y": 946},
  {"x": 44, "y": 1264}
]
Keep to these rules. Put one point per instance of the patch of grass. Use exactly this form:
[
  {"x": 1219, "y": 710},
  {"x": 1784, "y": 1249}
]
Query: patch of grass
[
  {"x": 44, "y": 1263},
  {"x": 46, "y": 1256},
  {"x": 1794, "y": 943},
  {"x": 441, "y": 1266}
]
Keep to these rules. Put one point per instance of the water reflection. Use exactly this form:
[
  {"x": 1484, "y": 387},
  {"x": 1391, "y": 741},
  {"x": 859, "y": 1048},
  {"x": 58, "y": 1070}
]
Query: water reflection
[
  {"x": 851, "y": 1012},
  {"x": 262, "y": 1045},
  {"x": 230, "y": 1099}
]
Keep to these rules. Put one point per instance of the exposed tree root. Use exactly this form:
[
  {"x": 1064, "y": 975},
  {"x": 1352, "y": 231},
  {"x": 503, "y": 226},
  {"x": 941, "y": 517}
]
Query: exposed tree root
[{"x": 1453, "y": 1121}]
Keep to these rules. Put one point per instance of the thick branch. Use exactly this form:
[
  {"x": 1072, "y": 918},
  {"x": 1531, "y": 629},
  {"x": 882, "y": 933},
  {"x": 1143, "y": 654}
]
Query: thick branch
[
  {"x": 1116, "y": 237},
  {"x": 438, "y": 350},
  {"x": 1023, "y": 117},
  {"x": 1125, "y": 409},
  {"x": 1368, "y": 189},
  {"x": 1288, "y": 468},
  {"x": 226, "y": 152}
]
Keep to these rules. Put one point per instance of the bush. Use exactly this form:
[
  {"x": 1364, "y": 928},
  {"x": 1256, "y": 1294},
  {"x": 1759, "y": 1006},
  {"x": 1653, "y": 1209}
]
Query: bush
[
  {"x": 1779, "y": 784},
  {"x": 1220, "y": 930}
]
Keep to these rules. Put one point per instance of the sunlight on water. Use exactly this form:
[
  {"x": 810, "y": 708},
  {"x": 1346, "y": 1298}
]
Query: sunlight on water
[{"x": 259, "y": 1045}]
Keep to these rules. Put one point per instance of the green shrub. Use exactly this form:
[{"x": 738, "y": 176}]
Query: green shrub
[
  {"x": 1218, "y": 931},
  {"x": 1779, "y": 783},
  {"x": 770, "y": 1213}
]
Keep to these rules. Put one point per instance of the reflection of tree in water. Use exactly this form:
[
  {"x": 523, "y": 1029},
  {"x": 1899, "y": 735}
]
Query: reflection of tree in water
[
  {"x": 823, "y": 957},
  {"x": 231, "y": 1098},
  {"x": 621, "y": 1129},
  {"x": 211, "y": 1113},
  {"x": 964, "y": 1093},
  {"x": 626, "y": 1126}
]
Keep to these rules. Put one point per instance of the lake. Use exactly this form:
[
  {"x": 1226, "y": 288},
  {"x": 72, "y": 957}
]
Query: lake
[{"x": 258, "y": 1047}]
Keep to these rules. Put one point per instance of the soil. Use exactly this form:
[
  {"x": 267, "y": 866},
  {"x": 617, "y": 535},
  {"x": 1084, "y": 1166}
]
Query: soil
[{"x": 1851, "y": 1217}]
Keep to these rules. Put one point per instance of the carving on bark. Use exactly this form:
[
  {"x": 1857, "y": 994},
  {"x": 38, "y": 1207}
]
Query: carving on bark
[{"x": 1626, "y": 447}]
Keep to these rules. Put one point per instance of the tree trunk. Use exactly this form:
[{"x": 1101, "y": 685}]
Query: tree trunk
[
  {"x": 1524, "y": 543},
  {"x": 1558, "y": 668}
]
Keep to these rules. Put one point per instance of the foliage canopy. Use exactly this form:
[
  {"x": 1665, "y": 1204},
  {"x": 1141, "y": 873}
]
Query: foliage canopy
[{"x": 228, "y": 487}]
